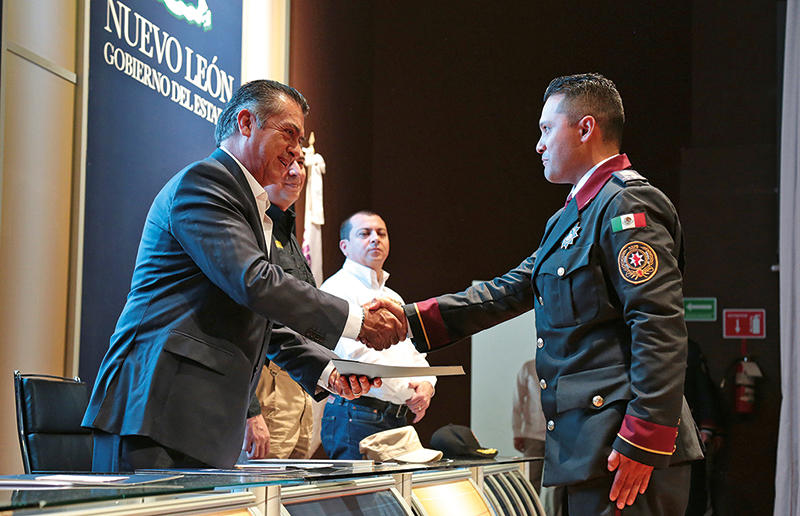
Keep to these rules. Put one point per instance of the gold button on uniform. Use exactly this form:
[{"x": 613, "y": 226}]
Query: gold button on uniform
[
  {"x": 540, "y": 343},
  {"x": 561, "y": 271},
  {"x": 543, "y": 383},
  {"x": 598, "y": 401},
  {"x": 541, "y": 301},
  {"x": 551, "y": 425}
]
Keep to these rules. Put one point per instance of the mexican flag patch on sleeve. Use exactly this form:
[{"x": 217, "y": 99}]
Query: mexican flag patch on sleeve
[{"x": 628, "y": 221}]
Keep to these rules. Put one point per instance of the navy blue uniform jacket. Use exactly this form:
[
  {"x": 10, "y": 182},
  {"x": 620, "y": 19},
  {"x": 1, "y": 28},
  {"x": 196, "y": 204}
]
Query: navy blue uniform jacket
[{"x": 606, "y": 284}]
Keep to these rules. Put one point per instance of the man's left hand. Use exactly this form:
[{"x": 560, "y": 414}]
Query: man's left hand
[
  {"x": 256, "y": 438},
  {"x": 632, "y": 479},
  {"x": 352, "y": 386}
]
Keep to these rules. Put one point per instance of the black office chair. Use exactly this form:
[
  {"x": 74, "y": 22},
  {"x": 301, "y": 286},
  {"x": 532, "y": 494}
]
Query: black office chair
[{"x": 49, "y": 414}]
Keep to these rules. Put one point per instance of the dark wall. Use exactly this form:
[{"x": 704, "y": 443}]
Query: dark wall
[
  {"x": 331, "y": 63},
  {"x": 427, "y": 113},
  {"x": 729, "y": 208}
]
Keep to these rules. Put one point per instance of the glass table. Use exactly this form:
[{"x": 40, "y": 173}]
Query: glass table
[{"x": 243, "y": 489}]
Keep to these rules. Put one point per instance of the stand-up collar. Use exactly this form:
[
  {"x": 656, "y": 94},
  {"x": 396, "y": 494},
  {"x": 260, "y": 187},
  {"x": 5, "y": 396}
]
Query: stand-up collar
[{"x": 600, "y": 177}]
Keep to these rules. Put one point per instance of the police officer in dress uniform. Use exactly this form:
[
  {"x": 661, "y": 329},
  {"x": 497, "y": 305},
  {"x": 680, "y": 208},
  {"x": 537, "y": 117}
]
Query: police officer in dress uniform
[{"x": 606, "y": 284}]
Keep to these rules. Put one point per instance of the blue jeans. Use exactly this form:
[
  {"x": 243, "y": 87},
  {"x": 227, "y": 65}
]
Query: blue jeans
[{"x": 344, "y": 424}]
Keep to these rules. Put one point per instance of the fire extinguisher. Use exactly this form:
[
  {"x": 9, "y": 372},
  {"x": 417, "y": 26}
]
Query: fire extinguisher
[{"x": 747, "y": 372}]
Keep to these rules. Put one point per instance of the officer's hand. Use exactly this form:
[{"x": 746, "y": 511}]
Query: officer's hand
[
  {"x": 384, "y": 324},
  {"x": 632, "y": 478}
]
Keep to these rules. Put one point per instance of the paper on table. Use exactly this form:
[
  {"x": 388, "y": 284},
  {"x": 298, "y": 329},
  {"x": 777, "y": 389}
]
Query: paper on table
[
  {"x": 32, "y": 484},
  {"x": 235, "y": 471},
  {"x": 82, "y": 479},
  {"x": 62, "y": 481},
  {"x": 311, "y": 463},
  {"x": 387, "y": 371},
  {"x": 299, "y": 465},
  {"x": 106, "y": 480}
]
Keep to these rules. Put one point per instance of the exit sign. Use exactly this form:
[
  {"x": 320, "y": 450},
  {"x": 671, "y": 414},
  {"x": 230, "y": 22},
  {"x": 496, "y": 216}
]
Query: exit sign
[
  {"x": 700, "y": 308},
  {"x": 744, "y": 323}
]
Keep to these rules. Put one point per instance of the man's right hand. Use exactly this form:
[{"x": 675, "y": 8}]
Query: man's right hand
[
  {"x": 384, "y": 324},
  {"x": 256, "y": 438}
]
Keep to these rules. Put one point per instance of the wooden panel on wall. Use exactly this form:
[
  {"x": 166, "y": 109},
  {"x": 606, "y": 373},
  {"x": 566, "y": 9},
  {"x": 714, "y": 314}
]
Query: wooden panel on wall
[{"x": 37, "y": 183}]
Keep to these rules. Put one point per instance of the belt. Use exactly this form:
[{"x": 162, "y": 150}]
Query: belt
[
  {"x": 274, "y": 368},
  {"x": 386, "y": 407}
]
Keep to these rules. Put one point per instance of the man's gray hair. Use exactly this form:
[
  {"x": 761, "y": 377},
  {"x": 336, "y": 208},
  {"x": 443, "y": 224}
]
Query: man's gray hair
[{"x": 263, "y": 99}]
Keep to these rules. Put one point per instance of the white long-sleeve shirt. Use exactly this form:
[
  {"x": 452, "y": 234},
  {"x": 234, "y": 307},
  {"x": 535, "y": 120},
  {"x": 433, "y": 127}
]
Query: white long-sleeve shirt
[
  {"x": 359, "y": 285},
  {"x": 527, "y": 418}
]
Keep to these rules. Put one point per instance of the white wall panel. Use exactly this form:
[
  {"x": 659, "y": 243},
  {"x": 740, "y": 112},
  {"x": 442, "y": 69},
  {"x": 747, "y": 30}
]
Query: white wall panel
[{"x": 497, "y": 356}]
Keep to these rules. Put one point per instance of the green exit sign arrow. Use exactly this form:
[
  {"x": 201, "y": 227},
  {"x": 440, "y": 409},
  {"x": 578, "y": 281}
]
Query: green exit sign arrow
[{"x": 700, "y": 308}]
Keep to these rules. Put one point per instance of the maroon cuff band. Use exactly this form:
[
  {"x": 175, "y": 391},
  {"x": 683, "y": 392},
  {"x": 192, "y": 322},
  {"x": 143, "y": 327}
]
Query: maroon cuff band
[
  {"x": 430, "y": 319},
  {"x": 648, "y": 436}
]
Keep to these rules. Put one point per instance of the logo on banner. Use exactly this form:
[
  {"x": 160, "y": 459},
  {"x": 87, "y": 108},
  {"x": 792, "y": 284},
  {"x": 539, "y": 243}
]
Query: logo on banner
[
  {"x": 142, "y": 49},
  {"x": 199, "y": 14}
]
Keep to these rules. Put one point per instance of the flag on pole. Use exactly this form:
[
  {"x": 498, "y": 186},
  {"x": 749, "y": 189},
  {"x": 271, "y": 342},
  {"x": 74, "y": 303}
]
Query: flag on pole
[{"x": 314, "y": 212}]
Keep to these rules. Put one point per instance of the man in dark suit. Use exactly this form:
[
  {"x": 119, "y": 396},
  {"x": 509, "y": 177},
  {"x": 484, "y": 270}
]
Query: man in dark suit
[
  {"x": 184, "y": 361},
  {"x": 606, "y": 284},
  {"x": 282, "y": 408}
]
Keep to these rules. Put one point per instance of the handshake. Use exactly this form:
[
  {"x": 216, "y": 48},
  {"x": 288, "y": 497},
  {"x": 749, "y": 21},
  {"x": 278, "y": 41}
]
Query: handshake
[{"x": 384, "y": 325}]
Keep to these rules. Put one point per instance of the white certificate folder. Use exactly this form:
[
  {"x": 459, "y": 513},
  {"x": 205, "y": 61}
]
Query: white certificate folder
[{"x": 387, "y": 371}]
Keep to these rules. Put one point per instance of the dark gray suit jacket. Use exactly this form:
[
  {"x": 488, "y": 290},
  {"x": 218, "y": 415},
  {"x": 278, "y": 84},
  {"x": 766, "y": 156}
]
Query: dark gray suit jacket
[{"x": 190, "y": 343}]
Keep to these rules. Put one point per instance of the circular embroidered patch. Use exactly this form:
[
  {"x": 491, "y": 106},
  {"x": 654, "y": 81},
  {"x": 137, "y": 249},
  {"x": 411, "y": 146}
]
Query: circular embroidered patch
[{"x": 637, "y": 262}]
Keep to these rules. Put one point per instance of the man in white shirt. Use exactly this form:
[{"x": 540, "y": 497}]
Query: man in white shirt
[
  {"x": 528, "y": 424},
  {"x": 527, "y": 419},
  {"x": 365, "y": 244}
]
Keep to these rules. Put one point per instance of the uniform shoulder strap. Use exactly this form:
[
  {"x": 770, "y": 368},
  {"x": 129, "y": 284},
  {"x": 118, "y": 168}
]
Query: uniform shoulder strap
[{"x": 630, "y": 177}]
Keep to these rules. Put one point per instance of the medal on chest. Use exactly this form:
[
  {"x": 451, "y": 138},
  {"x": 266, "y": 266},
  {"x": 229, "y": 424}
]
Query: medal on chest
[{"x": 571, "y": 236}]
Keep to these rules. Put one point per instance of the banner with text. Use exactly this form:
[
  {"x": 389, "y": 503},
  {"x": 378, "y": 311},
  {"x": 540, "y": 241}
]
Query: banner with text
[{"x": 160, "y": 73}]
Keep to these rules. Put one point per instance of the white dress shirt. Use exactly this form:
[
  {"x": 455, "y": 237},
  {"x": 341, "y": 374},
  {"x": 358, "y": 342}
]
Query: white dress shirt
[
  {"x": 527, "y": 418},
  {"x": 359, "y": 285},
  {"x": 262, "y": 200}
]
